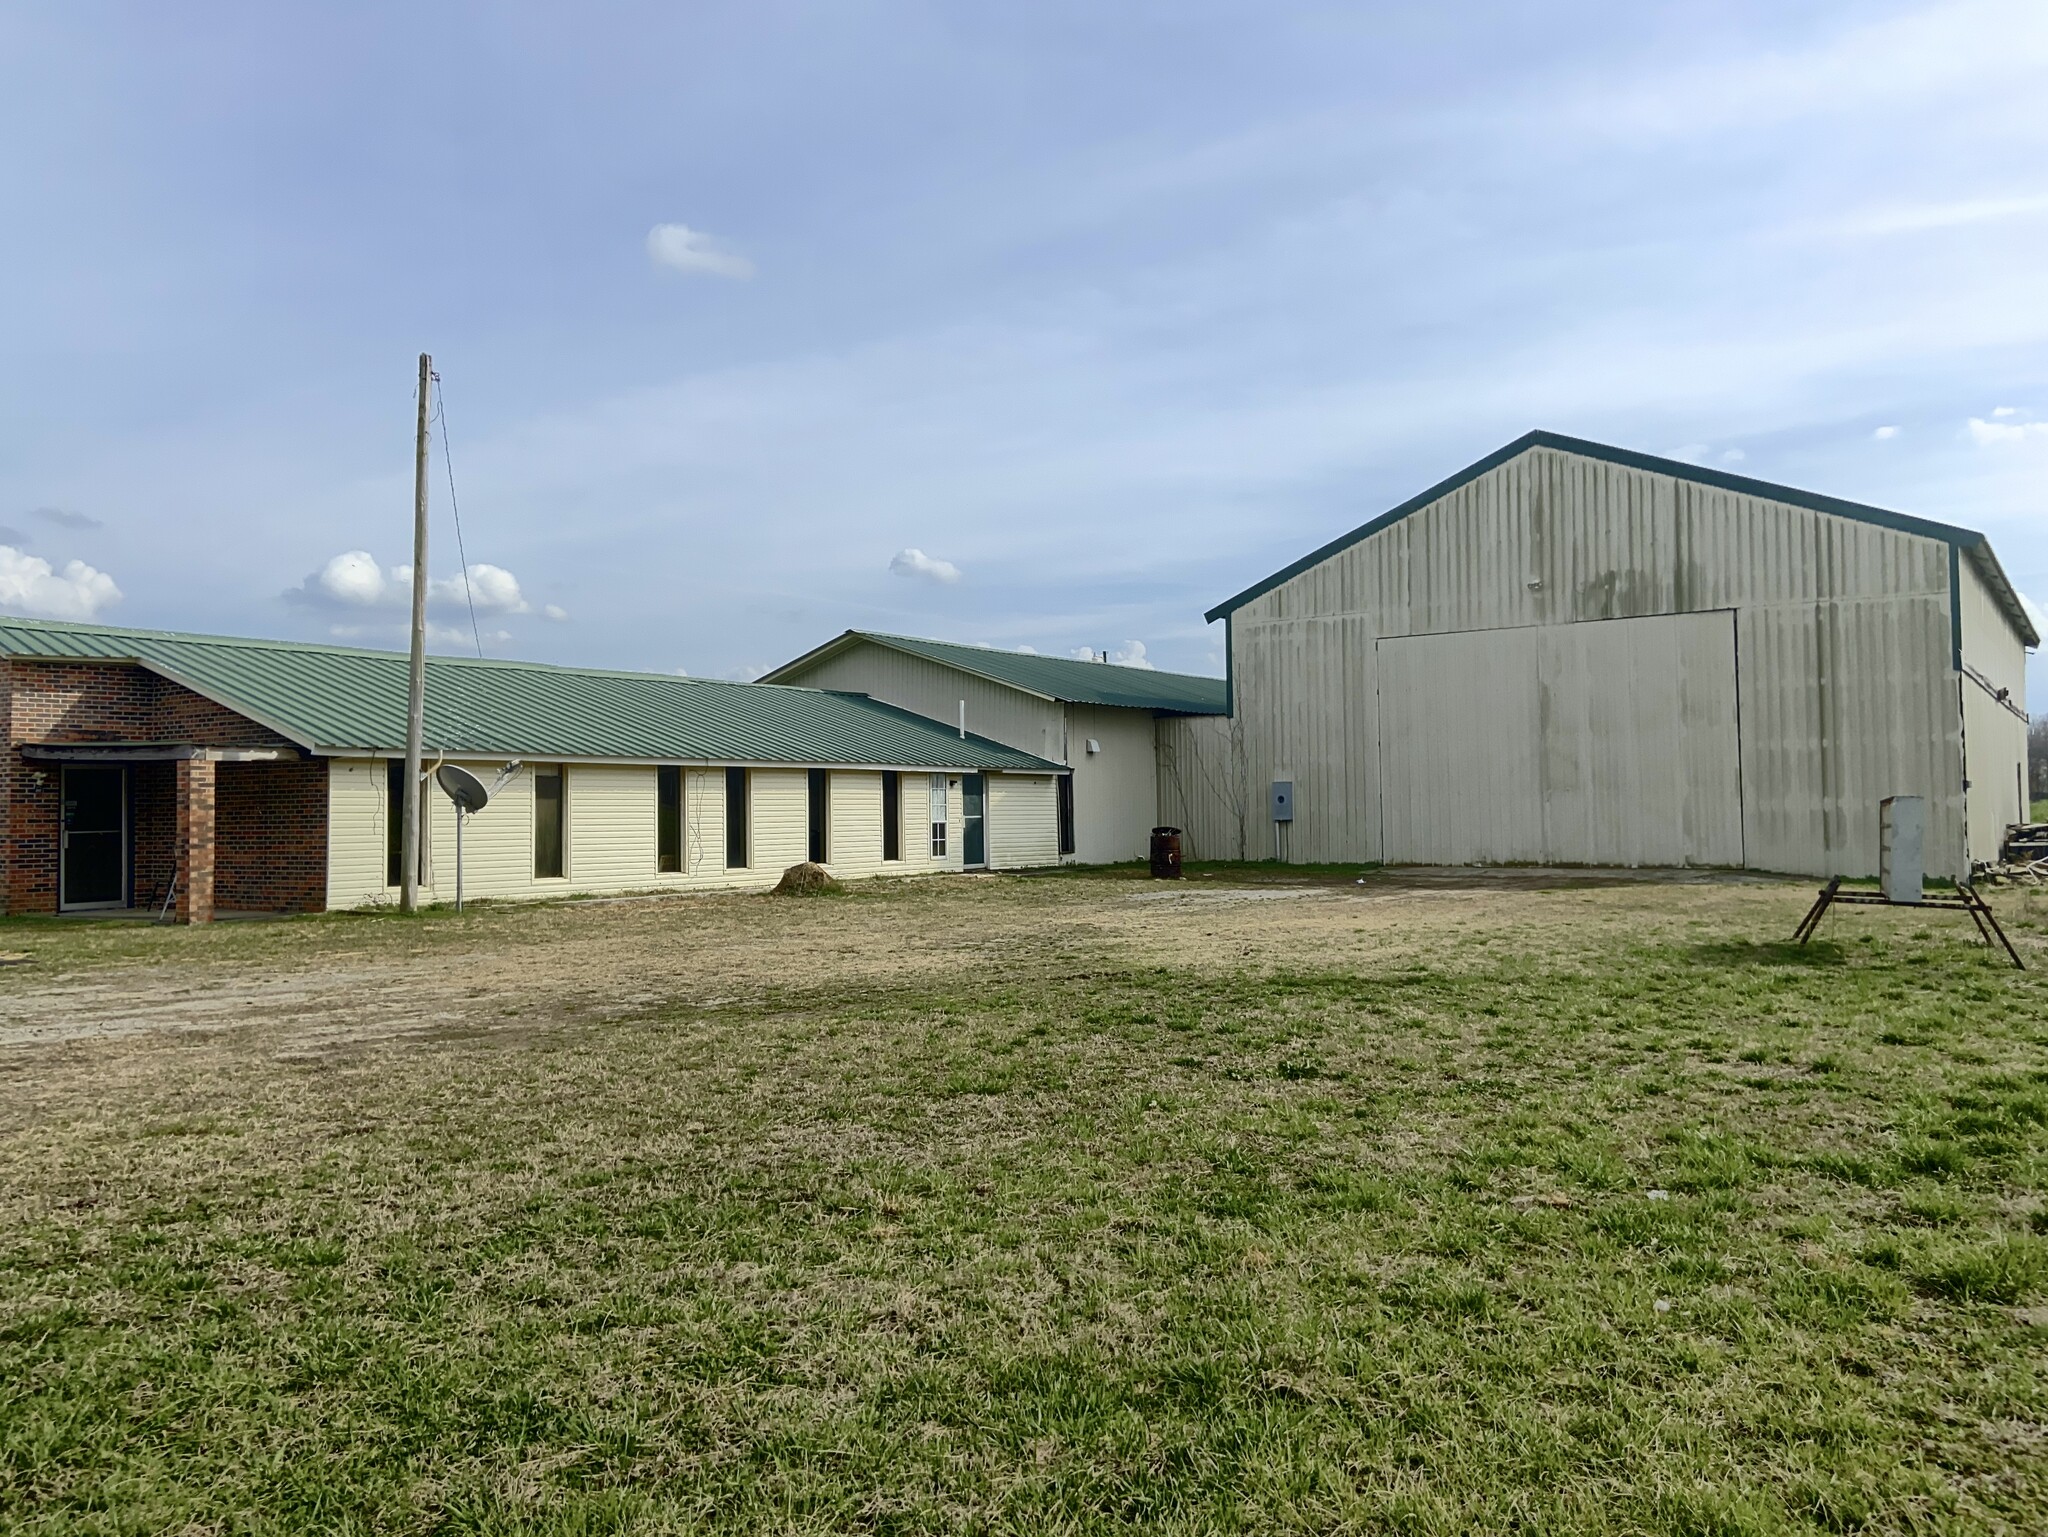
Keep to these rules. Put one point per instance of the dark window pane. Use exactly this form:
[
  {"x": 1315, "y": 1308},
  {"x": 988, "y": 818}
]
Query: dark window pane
[
  {"x": 394, "y": 821},
  {"x": 892, "y": 814},
  {"x": 548, "y": 805},
  {"x": 668, "y": 820},
  {"x": 736, "y": 857},
  {"x": 1066, "y": 784},
  {"x": 820, "y": 809}
]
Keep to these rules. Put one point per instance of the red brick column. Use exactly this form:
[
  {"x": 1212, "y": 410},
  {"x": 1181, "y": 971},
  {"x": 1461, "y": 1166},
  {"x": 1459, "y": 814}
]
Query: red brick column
[{"x": 194, "y": 849}]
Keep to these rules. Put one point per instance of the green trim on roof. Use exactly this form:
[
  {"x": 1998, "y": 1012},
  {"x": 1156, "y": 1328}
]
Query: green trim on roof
[
  {"x": 1049, "y": 677},
  {"x": 1969, "y": 541},
  {"x": 340, "y": 701}
]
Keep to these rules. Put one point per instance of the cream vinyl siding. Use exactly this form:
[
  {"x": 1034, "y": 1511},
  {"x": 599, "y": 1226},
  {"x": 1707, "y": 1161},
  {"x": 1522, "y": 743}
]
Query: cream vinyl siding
[
  {"x": 1844, "y": 655},
  {"x": 356, "y": 850},
  {"x": 610, "y": 834},
  {"x": 1116, "y": 791},
  {"x": 853, "y": 823},
  {"x": 1994, "y": 732},
  {"x": 1022, "y": 821}
]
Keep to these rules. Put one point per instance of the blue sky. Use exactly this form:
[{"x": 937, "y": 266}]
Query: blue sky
[{"x": 1105, "y": 310}]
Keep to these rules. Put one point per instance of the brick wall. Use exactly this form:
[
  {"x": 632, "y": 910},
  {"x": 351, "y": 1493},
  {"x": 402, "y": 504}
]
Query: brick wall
[
  {"x": 272, "y": 833},
  {"x": 271, "y": 837}
]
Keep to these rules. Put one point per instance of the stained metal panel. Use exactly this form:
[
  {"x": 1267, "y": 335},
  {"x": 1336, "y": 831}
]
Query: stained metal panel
[
  {"x": 1605, "y": 743},
  {"x": 1846, "y": 684}
]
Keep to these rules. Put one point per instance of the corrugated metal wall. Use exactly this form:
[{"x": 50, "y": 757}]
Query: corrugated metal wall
[
  {"x": 1608, "y": 742},
  {"x": 1202, "y": 784},
  {"x": 1994, "y": 730},
  {"x": 1843, "y": 650}
]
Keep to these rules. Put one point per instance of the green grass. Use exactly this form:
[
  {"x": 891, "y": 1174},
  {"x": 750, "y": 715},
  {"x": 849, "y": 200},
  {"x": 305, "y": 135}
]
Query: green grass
[{"x": 1700, "y": 1236}]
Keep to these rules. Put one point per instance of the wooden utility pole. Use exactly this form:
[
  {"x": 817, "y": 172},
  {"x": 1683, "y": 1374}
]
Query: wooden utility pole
[{"x": 416, "y": 687}]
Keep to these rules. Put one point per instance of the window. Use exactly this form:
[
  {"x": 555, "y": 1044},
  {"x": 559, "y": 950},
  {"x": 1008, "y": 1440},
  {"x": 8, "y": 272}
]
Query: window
[
  {"x": 550, "y": 802},
  {"x": 394, "y": 825},
  {"x": 821, "y": 804},
  {"x": 938, "y": 816},
  {"x": 668, "y": 820},
  {"x": 1066, "y": 808},
  {"x": 892, "y": 815},
  {"x": 736, "y": 819}
]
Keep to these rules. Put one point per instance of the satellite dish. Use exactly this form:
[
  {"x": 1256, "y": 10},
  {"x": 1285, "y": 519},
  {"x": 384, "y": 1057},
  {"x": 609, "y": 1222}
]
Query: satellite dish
[{"x": 462, "y": 787}]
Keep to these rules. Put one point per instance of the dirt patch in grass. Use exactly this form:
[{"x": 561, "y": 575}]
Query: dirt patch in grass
[{"x": 1440, "y": 1204}]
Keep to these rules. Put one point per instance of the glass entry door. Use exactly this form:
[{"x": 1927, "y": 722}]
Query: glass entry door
[
  {"x": 973, "y": 832},
  {"x": 94, "y": 868}
]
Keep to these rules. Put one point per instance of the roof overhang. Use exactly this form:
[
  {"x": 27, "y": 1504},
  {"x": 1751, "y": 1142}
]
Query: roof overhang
[
  {"x": 147, "y": 752},
  {"x": 1966, "y": 540}
]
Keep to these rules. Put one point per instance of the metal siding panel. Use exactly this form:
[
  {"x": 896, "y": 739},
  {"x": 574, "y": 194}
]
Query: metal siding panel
[
  {"x": 1116, "y": 791},
  {"x": 1203, "y": 788},
  {"x": 1830, "y": 710},
  {"x": 1994, "y": 737},
  {"x": 934, "y": 690}
]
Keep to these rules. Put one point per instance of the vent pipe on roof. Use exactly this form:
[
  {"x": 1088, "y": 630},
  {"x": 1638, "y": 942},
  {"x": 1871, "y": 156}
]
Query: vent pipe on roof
[{"x": 963, "y": 720}]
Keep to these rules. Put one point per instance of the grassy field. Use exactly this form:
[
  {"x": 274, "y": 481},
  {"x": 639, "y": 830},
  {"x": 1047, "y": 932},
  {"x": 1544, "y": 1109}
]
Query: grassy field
[{"x": 1034, "y": 1206}]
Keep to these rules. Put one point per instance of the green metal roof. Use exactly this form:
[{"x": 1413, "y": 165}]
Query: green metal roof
[
  {"x": 1967, "y": 541},
  {"x": 339, "y": 700},
  {"x": 1050, "y": 677}
]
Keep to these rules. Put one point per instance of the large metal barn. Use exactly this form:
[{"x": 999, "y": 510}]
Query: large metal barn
[{"x": 1568, "y": 653}]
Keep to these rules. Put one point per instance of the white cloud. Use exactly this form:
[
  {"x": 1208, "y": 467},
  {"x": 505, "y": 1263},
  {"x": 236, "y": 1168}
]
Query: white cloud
[
  {"x": 555, "y": 612},
  {"x": 492, "y": 589},
  {"x": 1733, "y": 456},
  {"x": 914, "y": 562},
  {"x": 1986, "y": 434},
  {"x": 1913, "y": 218},
  {"x": 1130, "y": 654},
  {"x": 354, "y": 580},
  {"x": 1690, "y": 453},
  {"x": 2005, "y": 411},
  {"x": 748, "y": 673},
  {"x": 29, "y": 585},
  {"x": 687, "y": 250},
  {"x": 1885, "y": 434}
]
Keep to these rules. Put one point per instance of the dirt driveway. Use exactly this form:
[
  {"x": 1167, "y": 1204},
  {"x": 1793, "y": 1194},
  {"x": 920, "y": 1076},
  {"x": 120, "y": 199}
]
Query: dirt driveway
[{"x": 311, "y": 984}]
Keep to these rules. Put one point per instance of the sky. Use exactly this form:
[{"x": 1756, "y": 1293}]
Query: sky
[{"x": 1048, "y": 325}]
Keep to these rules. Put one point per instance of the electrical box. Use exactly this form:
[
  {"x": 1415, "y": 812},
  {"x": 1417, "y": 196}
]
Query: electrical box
[
  {"x": 1283, "y": 800},
  {"x": 1901, "y": 847}
]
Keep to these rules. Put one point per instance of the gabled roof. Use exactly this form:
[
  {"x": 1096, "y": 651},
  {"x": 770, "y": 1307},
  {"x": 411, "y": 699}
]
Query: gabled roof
[
  {"x": 1965, "y": 540},
  {"x": 1049, "y": 677},
  {"x": 340, "y": 700}
]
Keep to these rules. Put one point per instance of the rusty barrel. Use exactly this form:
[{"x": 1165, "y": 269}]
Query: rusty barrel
[{"x": 1166, "y": 853}]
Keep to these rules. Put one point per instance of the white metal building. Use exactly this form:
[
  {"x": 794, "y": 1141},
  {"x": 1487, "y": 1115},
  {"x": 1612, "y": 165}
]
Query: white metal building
[
  {"x": 1099, "y": 719},
  {"x": 1569, "y": 653}
]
